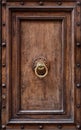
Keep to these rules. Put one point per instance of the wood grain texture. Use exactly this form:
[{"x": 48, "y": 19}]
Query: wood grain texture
[
  {"x": 38, "y": 40},
  {"x": 33, "y": 31},
  {"x": 36, "y": 34}
]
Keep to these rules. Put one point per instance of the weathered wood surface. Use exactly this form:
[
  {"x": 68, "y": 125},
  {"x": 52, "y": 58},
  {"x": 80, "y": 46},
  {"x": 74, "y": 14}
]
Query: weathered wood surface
[{"x": 48, "y": 30}]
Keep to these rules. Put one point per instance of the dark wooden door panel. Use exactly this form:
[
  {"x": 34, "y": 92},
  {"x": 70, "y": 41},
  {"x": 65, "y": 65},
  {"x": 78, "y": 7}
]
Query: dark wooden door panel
[
  {"x": 36, "y": 35},
  {"x": 42, "y": 65}
]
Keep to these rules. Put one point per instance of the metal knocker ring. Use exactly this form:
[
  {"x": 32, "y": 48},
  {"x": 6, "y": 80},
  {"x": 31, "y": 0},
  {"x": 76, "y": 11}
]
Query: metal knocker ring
[{"x": 40, "y": 68}]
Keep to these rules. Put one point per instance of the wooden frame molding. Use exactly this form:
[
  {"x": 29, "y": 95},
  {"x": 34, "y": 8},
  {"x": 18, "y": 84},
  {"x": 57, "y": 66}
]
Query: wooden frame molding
[{"x": 20, "y": 18}]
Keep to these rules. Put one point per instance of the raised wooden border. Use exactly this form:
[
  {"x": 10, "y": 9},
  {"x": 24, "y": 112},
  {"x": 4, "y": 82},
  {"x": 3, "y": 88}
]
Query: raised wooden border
[
  {"x": 40, "y": 0},
  {"x": 10, "y": 10}
]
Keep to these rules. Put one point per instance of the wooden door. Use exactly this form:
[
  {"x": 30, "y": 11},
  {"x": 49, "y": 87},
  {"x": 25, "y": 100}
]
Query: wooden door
[{"x": 41, "y": 64}]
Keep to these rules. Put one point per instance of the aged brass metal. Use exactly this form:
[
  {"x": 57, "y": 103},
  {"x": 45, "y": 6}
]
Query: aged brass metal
[{"x": 40, "y": 68}]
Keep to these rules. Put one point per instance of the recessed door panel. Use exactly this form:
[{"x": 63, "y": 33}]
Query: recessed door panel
[{"x": 38, "y": 41}]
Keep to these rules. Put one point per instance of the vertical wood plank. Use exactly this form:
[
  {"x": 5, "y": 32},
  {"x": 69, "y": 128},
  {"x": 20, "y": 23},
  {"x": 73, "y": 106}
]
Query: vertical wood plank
[{"x": 78, "y": 69}]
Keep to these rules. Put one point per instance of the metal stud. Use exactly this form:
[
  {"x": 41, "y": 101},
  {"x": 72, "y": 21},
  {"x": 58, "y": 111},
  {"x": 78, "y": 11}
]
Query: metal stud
[
  {"x": 78, "y": 23},
  {"x": 3, "y": 126},
  {"x": 22, "y": 3},
  {"x": 3, "y": 97},
  {"x": 78, "y": 105},
  {"x": 59, "y": 3},
  {"x": 60, "y": 126},
  {"x": 4, "y": 85},
  {"x": 3, "y": 24},
  {"x": 41, "y": 3},
  {"x": 78, "y": 85},
  {"x": 78, "y": 44},
  {"x": 3, "y": 44},
  {"x": 78, "y": 3},
  {"x": 78, "y": 65},
  {"x": 78, "y": 126},
  {"x": 40, "y": 126},
  {"x": 3, "y": 3},
  {"x": 22, "y": 126},
  {"x": 3, "y": 65}
]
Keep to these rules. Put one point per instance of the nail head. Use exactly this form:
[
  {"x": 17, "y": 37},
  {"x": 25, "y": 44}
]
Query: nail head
[
  {"x": 60, "y": 126},
  {"x": 3, "y": 126},
  {"x": 3, "y": 65},
  {"x": 22, "y": 127},
  {"x": 78, "y": 105},
  {"x": 3, "y": 44},
  {"x": 78, "y": 23},
  {"x": 40, "y": 127},
  {"x": 41, "y": 3},
  {"x": 78, "y": 44},
  {"x": 22, "y": 3},
  {"x": 78, "y": 126},
  {"x": 3, "y": 85},
  {"x": 78, "y": 85},
  {"x": 78, "y": 65},
  {"x": 59, "y": 3},
  {"x": 78, "y": 3}
]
